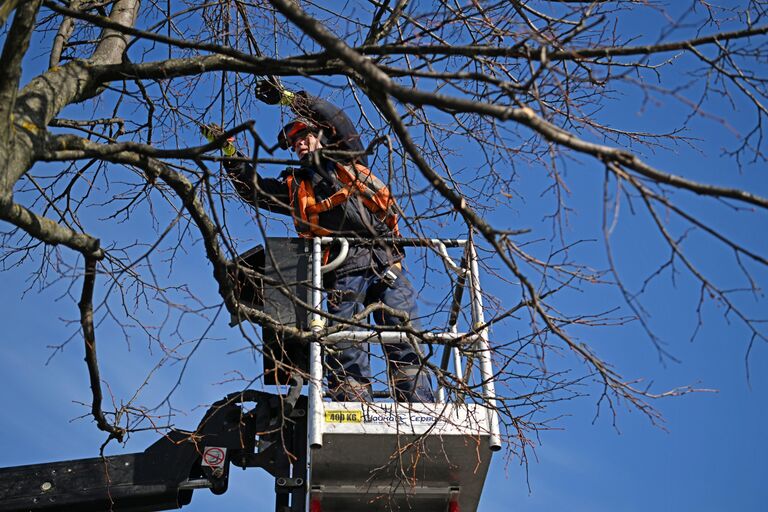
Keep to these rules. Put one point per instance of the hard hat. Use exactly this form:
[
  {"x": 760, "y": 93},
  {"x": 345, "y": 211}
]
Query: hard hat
[{"x": 291, "y": 130}]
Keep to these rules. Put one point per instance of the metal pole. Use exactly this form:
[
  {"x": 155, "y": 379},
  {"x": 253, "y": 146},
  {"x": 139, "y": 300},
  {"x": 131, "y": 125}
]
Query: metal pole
[
  {"x": 486, "y": 367},
  {"x": 457, "y": 360},
  {"x": 404, "y": 242},
  {"x": 447, "y": 351},
  {"x": 338, "y": 260},
  {"x": 443, "y": 366},
  {"x": 315, "y": 425},
  {"x": 399, "y": 337}
]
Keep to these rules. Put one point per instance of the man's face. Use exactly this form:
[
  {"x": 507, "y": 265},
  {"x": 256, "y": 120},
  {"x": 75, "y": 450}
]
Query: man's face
[{"x": 306, "y": 143}]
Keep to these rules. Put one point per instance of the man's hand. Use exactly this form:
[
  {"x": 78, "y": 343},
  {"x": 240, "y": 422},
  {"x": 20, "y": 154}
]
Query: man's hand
[
  {"x": 212, "y": 131},
  {"x": 273, "y": 93}
]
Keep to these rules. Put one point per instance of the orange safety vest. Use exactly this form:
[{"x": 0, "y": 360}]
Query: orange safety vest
[{"x": 357, "y": 180}]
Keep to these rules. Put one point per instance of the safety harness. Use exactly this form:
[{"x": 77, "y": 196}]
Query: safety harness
[{"x": 356, "y": 179}]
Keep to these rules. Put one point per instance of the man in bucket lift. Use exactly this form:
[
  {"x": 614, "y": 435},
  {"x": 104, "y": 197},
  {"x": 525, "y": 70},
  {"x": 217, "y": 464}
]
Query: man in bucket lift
[{"x": 340, "y": 197}]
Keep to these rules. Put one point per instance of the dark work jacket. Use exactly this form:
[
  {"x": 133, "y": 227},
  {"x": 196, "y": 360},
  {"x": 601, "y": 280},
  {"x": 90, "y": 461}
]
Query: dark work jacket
[{"x": 350, "y": 219}]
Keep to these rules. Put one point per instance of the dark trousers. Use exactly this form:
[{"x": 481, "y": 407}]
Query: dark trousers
[{"x": 349, "y": 362}]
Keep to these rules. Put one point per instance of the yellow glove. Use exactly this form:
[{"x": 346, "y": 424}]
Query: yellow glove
[
  {"x": 286, "y": 97},
  {"x": 212, "y": 131}
]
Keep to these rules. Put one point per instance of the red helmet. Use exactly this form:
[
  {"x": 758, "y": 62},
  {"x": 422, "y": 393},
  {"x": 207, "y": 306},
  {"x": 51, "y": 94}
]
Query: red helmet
[{"x": 289, "y": 132}]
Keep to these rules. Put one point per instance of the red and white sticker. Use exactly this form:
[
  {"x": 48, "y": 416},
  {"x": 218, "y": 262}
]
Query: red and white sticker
[{"x": 214, "y": 457}]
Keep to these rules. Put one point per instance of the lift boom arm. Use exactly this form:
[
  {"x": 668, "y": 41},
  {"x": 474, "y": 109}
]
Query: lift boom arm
[{"x": 164, "y": 476}]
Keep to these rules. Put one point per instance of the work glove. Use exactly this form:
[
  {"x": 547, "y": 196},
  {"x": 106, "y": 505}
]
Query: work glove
[
  {"x": 212, "y": 131},
  {"x": 273, "y": 93}
]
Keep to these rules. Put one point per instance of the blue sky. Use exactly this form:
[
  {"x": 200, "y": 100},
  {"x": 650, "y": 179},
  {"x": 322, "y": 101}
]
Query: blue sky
[{"x": 710, "y": 454}]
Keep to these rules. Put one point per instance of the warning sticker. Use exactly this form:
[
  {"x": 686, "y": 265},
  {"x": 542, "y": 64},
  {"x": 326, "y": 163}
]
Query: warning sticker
[
  {"x": 344, "y": 416},
  {"x": 213, "y": 457}
]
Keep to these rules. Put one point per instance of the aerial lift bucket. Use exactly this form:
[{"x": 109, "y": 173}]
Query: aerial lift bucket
[{"x": 383, "y": 455}]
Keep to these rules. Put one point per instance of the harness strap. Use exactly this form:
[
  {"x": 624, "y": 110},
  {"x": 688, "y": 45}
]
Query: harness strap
[
  {"x": 302, "y": 198},
  {"x": 375, "y": 195},
  {"x": 330, "y": 202}
]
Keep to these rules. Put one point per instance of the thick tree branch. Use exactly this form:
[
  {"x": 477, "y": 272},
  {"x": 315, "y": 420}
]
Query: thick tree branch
[
  {"x": 189, "y": 66},
  {"x": 67, "y": 147},
  {"x": 49, "y": 231},
  {"x": 113, "y": 41},
  {"x": 62, "y": 35},
  {"x": 45, "y": 96},
  {"x": 89, "y": 336},
  {"x": 14, "y": 49}
]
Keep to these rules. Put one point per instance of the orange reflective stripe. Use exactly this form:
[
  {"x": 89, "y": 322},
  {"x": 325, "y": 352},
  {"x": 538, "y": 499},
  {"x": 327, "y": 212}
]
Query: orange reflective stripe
[
  {"x": 302, "y": 198},
  {"x": 307, "y": 195}
]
